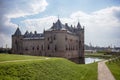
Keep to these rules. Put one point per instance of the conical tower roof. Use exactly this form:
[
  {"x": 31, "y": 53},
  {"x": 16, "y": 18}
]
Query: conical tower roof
[
  {"x": 58, "y": 25},
  {"x": 78, "y": 25},
  {"x": 17, "y": 32}
]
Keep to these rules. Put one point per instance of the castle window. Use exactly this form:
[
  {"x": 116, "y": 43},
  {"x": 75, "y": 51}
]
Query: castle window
[
  {"x": 65, "y": 37},
  {"x": 54, "y": 37},
  {"x": 37, "y": 47},
  {"x": 70, "y": 40},
  {"x": 48, "y": 38},
  {"x": 66, "y": 47},
  {"x": 26, "y": 49},
  {"x": 55, "y": 48},
  {"x": 33, "y": 48},
  {"x": 42, "y": 47},
  {"x": 48, "y": 47},
  {"x": 76, "y": 47},
  {"x": 69, "y": 47},
  {"x": 16, "y": 42}
]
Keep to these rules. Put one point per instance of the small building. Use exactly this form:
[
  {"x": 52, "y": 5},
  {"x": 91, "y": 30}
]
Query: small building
[
  {"x": 61, "y": 40},
  {"x": 90, "y": 51}
]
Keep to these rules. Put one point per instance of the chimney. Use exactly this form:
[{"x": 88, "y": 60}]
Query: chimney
[
  {"x": 35, "y": 32},
  {"x": 66, "y": 24}
]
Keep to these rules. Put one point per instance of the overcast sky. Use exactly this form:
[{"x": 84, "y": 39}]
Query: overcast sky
[{"x": 101, "y": 18}]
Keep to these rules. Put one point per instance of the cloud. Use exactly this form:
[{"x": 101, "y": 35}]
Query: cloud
[
  {"x": 5, "y": 40},
  {"x": 100, "y": 26},
  {"x": 21, "y": 8},
  {"x": 15, "y": 9},
  {"x": 39, "y": 24}
]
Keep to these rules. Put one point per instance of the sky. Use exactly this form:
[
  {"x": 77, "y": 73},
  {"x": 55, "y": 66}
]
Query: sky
[{"x": 101, "y": 18}]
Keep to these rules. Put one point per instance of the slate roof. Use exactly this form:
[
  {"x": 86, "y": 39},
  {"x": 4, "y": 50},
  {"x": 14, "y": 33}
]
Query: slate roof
[
  {"x": 59, "y": 26},
  {"x": 17, "y": 32},
  {"x": 31, "y": 35},
  {"x": 56, "y": 26},
  {"x": 78, "y": 26}
]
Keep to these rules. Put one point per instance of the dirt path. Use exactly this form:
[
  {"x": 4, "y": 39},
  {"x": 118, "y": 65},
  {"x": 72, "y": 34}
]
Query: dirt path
[
  {"x": 22, "y": 60},
  {"x": 103, "y": 72}
]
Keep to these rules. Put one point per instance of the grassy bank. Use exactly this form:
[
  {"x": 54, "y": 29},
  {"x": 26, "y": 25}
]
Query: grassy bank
[
  {"x": 10, "y": 57},
  {"x": 47, "y": 69},
  {"x": 99, "y": 55},
  {"x": 114, "y": 68}
]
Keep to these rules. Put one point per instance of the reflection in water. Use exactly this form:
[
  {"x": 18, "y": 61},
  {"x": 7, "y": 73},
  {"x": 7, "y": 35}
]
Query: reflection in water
[
  {"x": 85, "y": 60},
  {"x": 91, "y": 60}
]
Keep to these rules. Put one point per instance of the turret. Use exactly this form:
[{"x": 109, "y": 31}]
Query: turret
[
  {"x": 58, "y": 25},
  {"x": 78, "y": 26},
  {"x": 17, "y": 42},
  {"x": 17, "y": 32},
  {"x": 80, "y": 34},
  {"x": 26, "y": 33}
]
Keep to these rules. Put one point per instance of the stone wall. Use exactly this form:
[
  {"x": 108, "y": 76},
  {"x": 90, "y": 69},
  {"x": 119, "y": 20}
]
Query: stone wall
[
  {"x": 17, "y": 44},
  {"x": 33, "y": 47},
  {"x": 61, "y": 44}
]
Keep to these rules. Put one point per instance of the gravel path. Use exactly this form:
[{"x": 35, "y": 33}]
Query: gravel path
[{"x": 103, "y": 72}]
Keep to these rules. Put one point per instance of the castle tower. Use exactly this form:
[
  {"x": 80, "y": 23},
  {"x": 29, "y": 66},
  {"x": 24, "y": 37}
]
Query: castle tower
[
  {"x": 80, "y": 33},
  {"x": 54, "y": 40},
  {"x": 17, "y": 42}
]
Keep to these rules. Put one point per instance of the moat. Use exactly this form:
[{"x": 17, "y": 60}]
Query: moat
[
  {"x": 86, "y": 60},
  {"x": 92, "y": 60}
]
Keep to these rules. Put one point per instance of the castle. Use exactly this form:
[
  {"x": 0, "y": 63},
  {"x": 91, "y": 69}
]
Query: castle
[{"x": 60, "y": 40}]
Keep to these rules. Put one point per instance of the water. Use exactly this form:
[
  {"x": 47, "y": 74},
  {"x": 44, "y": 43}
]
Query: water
[
  {"x": 91, "y": 60},
  {"x": 86, "y": 60}
]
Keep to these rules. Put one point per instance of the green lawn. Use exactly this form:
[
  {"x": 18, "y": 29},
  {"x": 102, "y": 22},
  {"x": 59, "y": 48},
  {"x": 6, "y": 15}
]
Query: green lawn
[
  {"x": 46, "y": 69},
  {"x": 115, "y": 69},
  {"x": 10, "y": 57}
]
